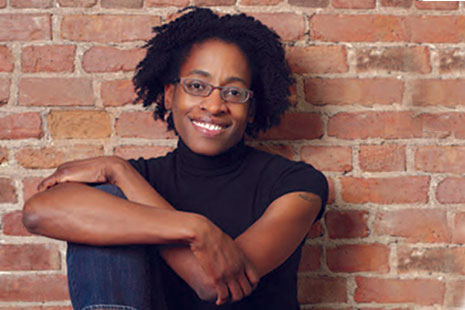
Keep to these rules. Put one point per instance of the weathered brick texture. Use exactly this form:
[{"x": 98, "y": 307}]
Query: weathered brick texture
[{"x": 378, "y": 106}]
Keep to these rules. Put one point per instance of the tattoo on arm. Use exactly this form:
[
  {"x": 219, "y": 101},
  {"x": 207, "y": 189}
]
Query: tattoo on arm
[{"x": 308, "y": 198}]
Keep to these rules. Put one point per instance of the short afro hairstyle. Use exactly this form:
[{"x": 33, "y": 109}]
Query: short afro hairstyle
[{"x": 167, "y": 50}]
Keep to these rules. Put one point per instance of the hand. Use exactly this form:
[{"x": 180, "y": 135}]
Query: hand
[
  {"x": 92, "y": 170},
  {"x": 223, "y": 261}
]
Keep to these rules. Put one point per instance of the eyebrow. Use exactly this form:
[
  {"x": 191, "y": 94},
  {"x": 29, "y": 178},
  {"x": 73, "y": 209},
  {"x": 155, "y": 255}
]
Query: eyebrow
[{"x": 228, "y": 80}]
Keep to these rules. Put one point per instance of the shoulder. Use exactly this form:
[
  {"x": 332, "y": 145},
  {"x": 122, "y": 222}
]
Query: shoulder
[
  {"x": 281, "y": 176},
  {"x": 154, "y": 165}
]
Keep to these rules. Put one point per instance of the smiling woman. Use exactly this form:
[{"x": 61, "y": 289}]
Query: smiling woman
[{"x": 215, "y": 223}]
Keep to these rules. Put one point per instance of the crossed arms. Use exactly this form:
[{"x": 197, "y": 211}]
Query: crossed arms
[{"x": 213, "y": 264}]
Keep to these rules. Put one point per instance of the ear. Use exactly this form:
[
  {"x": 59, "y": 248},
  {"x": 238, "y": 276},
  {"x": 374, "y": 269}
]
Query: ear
[{"x": 169, "y": 92}]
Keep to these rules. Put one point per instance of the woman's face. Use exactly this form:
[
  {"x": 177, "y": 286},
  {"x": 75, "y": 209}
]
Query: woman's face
[{"x": 209, "y": 125}]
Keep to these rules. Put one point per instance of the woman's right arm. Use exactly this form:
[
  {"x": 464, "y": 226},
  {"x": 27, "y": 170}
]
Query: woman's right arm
[{"x": 79, "y": 213}]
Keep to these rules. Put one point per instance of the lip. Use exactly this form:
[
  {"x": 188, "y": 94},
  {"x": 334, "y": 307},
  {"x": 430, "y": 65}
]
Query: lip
[{"x": 209, "y": 127}]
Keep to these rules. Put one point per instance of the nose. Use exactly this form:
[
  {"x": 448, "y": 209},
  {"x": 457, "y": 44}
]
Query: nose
[{"x": 213, "y": 103}]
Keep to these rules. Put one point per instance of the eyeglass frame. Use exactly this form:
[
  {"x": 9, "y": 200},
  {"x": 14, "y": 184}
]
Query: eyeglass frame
[{"x": 213, "y": 87}]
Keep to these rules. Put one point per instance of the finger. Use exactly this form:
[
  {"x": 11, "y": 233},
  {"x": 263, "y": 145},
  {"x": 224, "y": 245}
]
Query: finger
[
  {"x": 223, "y": 294},
  {"x": 235, "y": 290},
  {"x": 46, "y": 183},
  {"x": 252, "y": 275},
  {"x": 245, "y": 285}
]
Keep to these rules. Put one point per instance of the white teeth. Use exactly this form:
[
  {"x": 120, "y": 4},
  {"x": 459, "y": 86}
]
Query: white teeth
[{"x": 207, "y": 125}]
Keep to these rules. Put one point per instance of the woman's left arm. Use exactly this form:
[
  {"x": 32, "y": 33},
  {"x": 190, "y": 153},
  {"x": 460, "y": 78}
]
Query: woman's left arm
[{"x": 279, "y": 231}]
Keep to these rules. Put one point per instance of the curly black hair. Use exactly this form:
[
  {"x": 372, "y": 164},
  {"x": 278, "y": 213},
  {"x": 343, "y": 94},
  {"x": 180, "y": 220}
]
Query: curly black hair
[{"x": 172, "y": 42}]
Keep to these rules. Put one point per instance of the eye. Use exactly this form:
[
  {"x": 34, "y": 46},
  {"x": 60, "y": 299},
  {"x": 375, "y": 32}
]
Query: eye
[
  {"x": 234, "y": 92},
  {"x": 195, "y": 85}
]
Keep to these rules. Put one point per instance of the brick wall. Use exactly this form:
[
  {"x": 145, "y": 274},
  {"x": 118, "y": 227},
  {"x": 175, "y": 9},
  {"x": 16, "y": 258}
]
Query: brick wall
[{"x": 379, "y": 107}]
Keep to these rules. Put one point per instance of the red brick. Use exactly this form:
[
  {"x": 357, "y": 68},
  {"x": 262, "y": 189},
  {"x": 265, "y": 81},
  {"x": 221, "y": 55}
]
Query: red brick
[
  {"x": 354, "y": 4},
  {"x": 405, "y": 189},
  {"x": 77, "y": 3},
  {"x": 458, "y": 234},
  {"x": 12, "y": 224},
  {"x": 214, "y": 2},
  {"x": 285, "y": 150},
  {"x": 358, "y": 258},
  {"x": 260, "y": 2},
  {"x": 456, "y": 291},
  {"x": 2, "y": 4},
  {"x": 357, "y": 28},
  {"x": 20, "y": 126},
  {"x": 296, "y": 126},
  {"x": 322, "y": 289},
  {"x": 434, "y": 158},
  {"x": 56, "y": 92},
  {"x": 451, "y": 60},
  {"x": 317, "y": 59},
  {"x": 418, "y": 291},
  {"x": 386, "y": 157},
  {"x": 436, "y": 5},
  {"x": 4, "y": 91},
  {"x": 29, "y": 257},
  {"x": 48, "y": 58},
  {"x": 111, "y": 59},
  {"x": 19, "y": 27},
  {"x": 130, "y": 4},
  {"x": 6, "y": 59},
  {"x": 328, "y": 158},
  {"x": 443, "y": 125},
  {"x": 79, "y": 124},
  {"x": 445, "y": 260},
  {"x": 394, "y": 59},
  {"x": 23, "y": 4},
  {"x": 145, "y": 151},
  {"x": 416, "y": 225},
  {"x": 3, "y": 155},
  {"x": 363, "y": 125},
  {"x": 108, "y": 28},
  {"x": 436, "y": 29},
  {"x": 448, "y": 93},
  {"x": 51, "y": 157},
  {"x": 397, "y": 3},
  {"x": 163, "y": 3},
  {"x": 311, "y": 257},
  {"x": 141, "y": 125},
  {"x": 332, "y": 190},
  {"x": 117, "y": 92},
  {"x": 7, "y": 191},
  {"x": 310, "y": 4},
  {"x": 347, "y": 224},
  {"x": 30, "y": 186},
  {"x": 353, "y": 91},
  {"x": 451, "y": 190},
  {"x": 32, "y": 287},
  {"x": 288, "y": 26}
]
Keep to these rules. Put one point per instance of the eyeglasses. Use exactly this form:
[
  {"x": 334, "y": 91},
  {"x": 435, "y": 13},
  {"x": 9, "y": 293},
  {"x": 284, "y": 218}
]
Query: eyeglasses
[{"x": 196, "y": 87}]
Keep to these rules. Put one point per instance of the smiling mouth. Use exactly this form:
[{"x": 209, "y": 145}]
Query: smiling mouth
[{"x": 208, "y": 126}]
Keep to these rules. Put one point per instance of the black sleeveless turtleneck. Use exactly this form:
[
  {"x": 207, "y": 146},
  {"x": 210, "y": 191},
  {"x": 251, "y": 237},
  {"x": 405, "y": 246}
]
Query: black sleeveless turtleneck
[{"x": 233, "y": 190}]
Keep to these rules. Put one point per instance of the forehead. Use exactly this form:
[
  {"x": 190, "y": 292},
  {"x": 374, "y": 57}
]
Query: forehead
[{"x": 218, "y": 58}]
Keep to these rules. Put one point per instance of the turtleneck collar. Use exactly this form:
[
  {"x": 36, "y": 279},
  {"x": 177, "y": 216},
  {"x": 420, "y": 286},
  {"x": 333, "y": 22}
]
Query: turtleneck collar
[{"x": 199, "y": 164}]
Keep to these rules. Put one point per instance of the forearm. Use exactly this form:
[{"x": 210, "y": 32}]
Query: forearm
[{"x": 79, "y": 213}]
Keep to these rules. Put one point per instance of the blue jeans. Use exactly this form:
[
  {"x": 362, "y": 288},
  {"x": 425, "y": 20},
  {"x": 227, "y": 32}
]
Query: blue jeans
[{"x": 121, "y": 277}]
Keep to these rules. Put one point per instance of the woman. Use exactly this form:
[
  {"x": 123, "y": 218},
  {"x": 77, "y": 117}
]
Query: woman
[{"x": 214, "y": 223}]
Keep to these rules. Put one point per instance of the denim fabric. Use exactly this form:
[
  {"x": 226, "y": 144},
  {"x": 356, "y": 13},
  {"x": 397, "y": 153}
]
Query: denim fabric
[{"x": 114, "y": 277}]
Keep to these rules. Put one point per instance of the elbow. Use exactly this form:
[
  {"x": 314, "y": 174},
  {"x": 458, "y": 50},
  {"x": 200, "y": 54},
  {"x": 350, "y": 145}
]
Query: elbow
[
  {"x": 32, "y": 216},
  {"x": 206, "y": 291}
]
